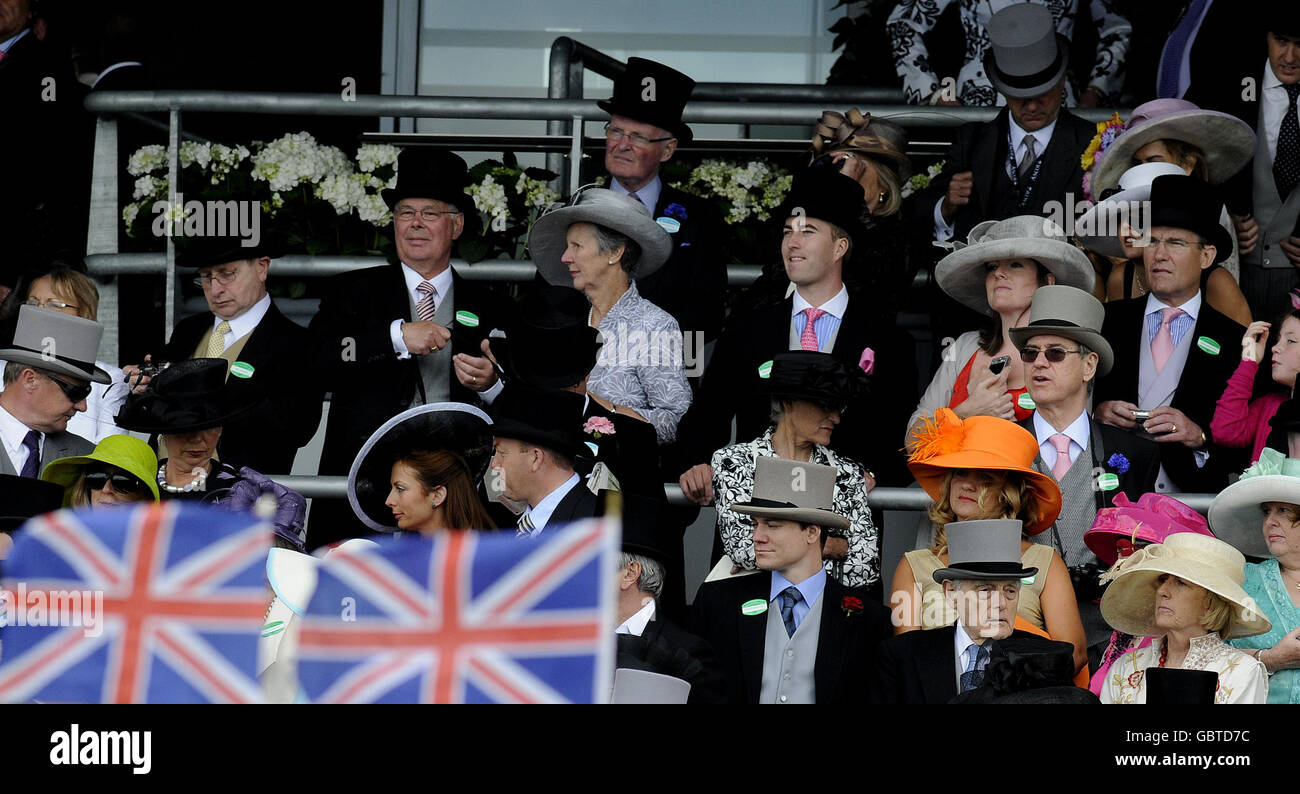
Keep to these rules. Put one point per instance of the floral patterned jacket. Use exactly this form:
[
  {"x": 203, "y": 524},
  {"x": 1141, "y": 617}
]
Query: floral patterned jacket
[
  {"x": 733, "y": 481},
  {"x": 1241, "y": 678}
]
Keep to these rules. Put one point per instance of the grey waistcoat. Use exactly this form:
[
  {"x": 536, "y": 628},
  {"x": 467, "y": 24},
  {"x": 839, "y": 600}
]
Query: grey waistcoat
[
  {"x": 789, "y": 663},
  {"x": 1276, "y": 218},
  {"x": 435, "y": 368},
  {"x": 1156, "y": 390}
]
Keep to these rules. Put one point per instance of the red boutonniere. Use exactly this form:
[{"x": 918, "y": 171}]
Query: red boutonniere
[{"x": 851, "y": 605}]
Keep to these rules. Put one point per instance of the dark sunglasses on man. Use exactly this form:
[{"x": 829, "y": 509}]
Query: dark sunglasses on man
[
  {"x": 123, "y": 483},
  {"x": 76, "y": 392},
  {"x": 1054, "y": 354}
]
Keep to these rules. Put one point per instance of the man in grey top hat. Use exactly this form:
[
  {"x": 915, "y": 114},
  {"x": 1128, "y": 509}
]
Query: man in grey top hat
[
  {"x": 1064, "y": 352},
  {"x": 791, "y": 634},
  {"x": 51, "y": 364}
]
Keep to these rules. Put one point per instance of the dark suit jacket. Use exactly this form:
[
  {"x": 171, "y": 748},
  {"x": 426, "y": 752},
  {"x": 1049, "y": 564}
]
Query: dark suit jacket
[
  {"x": 57, "y": 445},
  {"x": 1143, "y": 461},
  {"x": 919, "y": 667},
  {"x": 732, "y": 388},
  {"x": 283, "y": 384},
  {"x": 667, "y": 649},
  {"x": 1203, "y": 380},
  {"x": 692, "y": 284},
  {"x": 577, "y": 504},
  {"x": 981, "y": 148},
  {"x": 846, "y": 645},
  {"x": 631, "y": 452},
  {"x": 369, "y": 383}
]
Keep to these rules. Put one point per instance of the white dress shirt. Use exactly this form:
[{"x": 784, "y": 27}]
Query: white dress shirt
[
  {"x": 12, "y": 433},
  {"x": 636, "y": 624},
  {"x": 441, "y": 285},
  {"x": 541, "y": 514},
  {"x": 244, "y": 324},
  {"x": 649, "y": 195},
  {"x": 1273, "y": 105},
  {"x": 1078, "y": 431}
]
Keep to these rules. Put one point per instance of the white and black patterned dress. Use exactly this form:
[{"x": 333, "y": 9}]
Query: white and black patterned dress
[{"x": 733, "y": 481}]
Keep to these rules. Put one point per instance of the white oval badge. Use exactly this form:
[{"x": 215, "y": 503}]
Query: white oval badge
[
  {"x": 670, "y": 225},
  {"x": 755, "y": 607},
  {"x": 1026, "y": 402},
  {"x": 1107, "y": 482},
  {"x": 467, "y": 319},
  {"x": 1208, "y": 345},
  {"x": 241, "y": 369}
]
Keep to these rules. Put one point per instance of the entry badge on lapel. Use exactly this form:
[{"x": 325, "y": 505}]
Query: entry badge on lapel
[
  {"x": 1208, "y": 345},
  {"x": 753, "y": 607},
  {"x": 241, "y": 369}
]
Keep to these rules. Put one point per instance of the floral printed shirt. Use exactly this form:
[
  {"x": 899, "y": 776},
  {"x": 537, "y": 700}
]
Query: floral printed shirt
[{"x": 1241, "y": 678}]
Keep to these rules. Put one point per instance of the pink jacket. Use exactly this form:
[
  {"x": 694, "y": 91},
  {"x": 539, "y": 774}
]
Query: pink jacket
[{"x": 1240, "y": 421}]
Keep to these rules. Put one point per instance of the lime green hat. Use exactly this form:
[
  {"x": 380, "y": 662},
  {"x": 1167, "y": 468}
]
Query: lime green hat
[{"x": 125, "y": 452}]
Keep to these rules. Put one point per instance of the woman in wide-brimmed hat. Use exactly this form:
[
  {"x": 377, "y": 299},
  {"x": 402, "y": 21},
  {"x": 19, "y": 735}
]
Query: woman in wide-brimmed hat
[
  {"x": 185, "y": 406},
  {"x": 995, "y": 273},
  {"x": 979, "y": 468},
  {"x": 419, "y": 471},
  {"x": 599, "y": 244},
  {"x": 809, "y": 392},
  {"x": 1186, "y": 594},
  {"x": 1260, "y": 515},
  {"x": 1122, "y": 529},
  {"x": 121, "y": 470}
]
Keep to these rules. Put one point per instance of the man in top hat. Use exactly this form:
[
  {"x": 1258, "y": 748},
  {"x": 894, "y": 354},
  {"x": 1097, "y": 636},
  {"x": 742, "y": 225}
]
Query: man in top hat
[
  {"x": 1064, "y": 353},
  {"x": 819, "y": 218},
  {"x": 982, "y": 581},
  {"x": 791, "y": 634},
  {"x": 268, "y": 355},
  {"x": 1028, "y": 155},
  {"x": 406, "y": 333},
  {"x": 50, "y": 369},
  {"x": 644, "y": 130},
  {"x": 647, "y": 640},
  {"x": 1173, "y": 351},
  {"x": 535, "y": 440}
]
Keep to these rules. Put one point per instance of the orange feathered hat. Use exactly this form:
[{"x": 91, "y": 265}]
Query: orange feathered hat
[{"x": 943, "y": 443}]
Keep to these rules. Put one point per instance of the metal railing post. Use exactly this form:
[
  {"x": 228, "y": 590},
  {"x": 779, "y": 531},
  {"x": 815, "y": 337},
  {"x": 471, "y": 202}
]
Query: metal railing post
[
  {"x": 575, "y": 156},
  {"x": 101, "y": 231},
  {"x": 558, "y": 88},
  {"x": 173, "y": 190}
]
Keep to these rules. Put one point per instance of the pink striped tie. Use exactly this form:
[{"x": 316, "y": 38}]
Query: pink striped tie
[
  {"x": 424, "y": 309},
  {"x": 1162, "y": 347},
  {"x": 808, "y": 339},
  {"x": 1062, "y": 443}
]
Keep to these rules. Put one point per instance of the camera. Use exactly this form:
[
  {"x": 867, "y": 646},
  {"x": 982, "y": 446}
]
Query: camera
[{"x": 1141, "y": 415}]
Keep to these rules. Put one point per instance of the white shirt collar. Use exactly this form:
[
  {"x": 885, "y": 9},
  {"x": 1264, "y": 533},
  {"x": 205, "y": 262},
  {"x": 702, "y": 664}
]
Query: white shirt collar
[
  {"x": 12, "y": 433},
  {"x": 835, "y": 306},
  {"x": 441, "y": 283},
  {"x": 246, "y": 322},
  {"x": 810, "y": 588},
  {"x": 649, "y": 194},
  {"x": 541, "y": 514},
  {"x": 1041, "y": 137},
  {"x": 1078, "y": 430},
  {"x": 1270, "y": 79},
  {"x": 1192, "y": 306},
  {"x": 636, "y": 624}
]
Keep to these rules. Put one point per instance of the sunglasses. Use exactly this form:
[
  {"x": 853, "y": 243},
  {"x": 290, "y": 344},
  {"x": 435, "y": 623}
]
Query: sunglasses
[
  {"x": 124, "y": 484},
  {"x": 74, "y": 391},
  {"x": 1054, "y": 354}
]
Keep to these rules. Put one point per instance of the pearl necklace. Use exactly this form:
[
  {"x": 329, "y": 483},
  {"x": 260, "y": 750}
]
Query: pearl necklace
[{"x": 199, "y": 483}]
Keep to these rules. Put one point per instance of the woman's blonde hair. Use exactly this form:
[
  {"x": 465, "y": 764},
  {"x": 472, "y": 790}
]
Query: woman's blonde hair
[
  {"x": 77, "y": 288},
  {"x": 1015, "y": 499},
  {"x": 1218, "y": 614}
]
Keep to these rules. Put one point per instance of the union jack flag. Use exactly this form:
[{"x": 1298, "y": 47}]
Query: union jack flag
[
  {"x": 183, "y": 597},
  {"x": 464, "y": 617}
]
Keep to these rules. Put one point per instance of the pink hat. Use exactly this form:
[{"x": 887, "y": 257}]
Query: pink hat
[{"x": 1154, "y": 518}]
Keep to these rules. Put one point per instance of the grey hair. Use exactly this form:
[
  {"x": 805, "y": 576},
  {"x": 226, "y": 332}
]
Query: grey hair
[
  {"x": 1084, "y": 350},
  {"x": 607, "y": 240},
  {"x": 652, "y": 573},
  {"x": 13, "y": 369}
]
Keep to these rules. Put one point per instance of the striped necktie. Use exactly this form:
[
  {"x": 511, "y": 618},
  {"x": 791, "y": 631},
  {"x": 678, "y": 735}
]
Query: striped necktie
[
  {"x": 526, "y": 527},
  {"x": 425, "y": 308}
]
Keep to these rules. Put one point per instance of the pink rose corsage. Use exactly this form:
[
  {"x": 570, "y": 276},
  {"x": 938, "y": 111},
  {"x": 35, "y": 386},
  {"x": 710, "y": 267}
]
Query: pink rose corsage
[
  {"x": 868, "y": 361},
  {"x": 598, "y": 426}
]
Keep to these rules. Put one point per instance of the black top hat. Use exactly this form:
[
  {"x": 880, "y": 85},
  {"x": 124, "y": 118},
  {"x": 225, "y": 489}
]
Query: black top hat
[
  {"x": 22, "y": 498},
  {"x": 1283, "y": 19},
  {"x": 437, "y": 174},
  {"x": 547, "y": 417},
  {"x": 550, "y": 346},
  {"x": 1177, "y": 687},
  {"x": 193, "y": 253},
  {"x": 1026, "y": 668},
  {"x": 1185, "y": 202},
  {"x": 652, "y": 93},
  {"x": 644, "y": 528},
  {"x": 810, "y": 375},
  {"x": 826, "y": 195},
  {"x": 188, "y": 396}
]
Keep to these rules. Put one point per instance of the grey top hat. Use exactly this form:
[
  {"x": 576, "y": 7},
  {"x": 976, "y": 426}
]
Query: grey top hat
[
  {"x": 603, "y": 207},
  {"x": 987, "y": 549},
  {"x": 961, "y": 273},
  {"x": 57, "y": 342},
  {"x": 1071, "y": 313},
  {"x": 1026, "y": 55},
  {"x": 792, "y": 490}
]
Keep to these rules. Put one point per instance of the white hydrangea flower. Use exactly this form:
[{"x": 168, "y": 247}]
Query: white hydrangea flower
[
  {"x": 375, "y": 155},
  {"x": 129, "y": 213},
  {"x": 147, "y": 187},
  {"x": 296, "y": 159},
  {"x": 489, "y": 197},
  {"x": 372, "y": 209},
  {"x": 195, "y": 153},
  {"x": 147, "y": 159},
  {"x": 342, "y": 191}
]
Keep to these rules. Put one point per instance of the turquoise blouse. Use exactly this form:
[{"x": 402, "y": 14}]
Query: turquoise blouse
[{"x": 1264, "y": 584}]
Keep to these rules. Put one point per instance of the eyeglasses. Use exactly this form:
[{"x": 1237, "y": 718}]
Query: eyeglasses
[
  {"x": 614, "y": 135},
  {"x": 1173, "y": 244},
  {"x": 74, "y": 391},
  {"x": 1054, "y": 354},
  {"x": 222, "y": 277},
  {"x": 123, "y": 483},
  {"x": 52, "y": 303},
  {"x": 406, "y": 214}
]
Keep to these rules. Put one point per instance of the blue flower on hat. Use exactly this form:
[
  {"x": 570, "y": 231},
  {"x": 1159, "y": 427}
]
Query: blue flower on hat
[
  {"x": 675, "y": 210},
  {"x": 1118, "y": 462}
]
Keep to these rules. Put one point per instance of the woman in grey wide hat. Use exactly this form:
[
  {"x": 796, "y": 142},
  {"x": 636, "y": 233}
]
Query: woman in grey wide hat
[{"x": 599, "y": 244}]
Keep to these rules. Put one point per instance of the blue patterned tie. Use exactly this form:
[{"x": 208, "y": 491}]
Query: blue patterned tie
[
  {"x": 1171, "y": 60},
  {"x": 974, "y": 675},
  {"x": 32, "y": 468},
  {"x": 789, "y": 597},
  {"x": 1286, "y": 165}
]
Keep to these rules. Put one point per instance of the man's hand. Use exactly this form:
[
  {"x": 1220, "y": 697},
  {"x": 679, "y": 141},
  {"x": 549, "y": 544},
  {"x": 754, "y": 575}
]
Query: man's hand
[
  {"x": 1247, "y": 233},
  {"x": 988, "y": 398},
  {"x": 835, "y": 549},
  {"x": 697, "y": 484},
  {"x": 1116, "y": 413},
  {"x": 425, "y": 337},
  {"x": 1291, "y": 247},
  {"x": 958, "y": 195},
  {"x": 1172, "y": 425},
  {"x": 474, "y": 372}
]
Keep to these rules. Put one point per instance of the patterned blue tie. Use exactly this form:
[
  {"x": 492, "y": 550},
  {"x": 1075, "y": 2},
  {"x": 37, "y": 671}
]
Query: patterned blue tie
[
  {"x": 32, "y": 468},
  {"x": 1286, "y": 165},
  {"x": 1171, "y": 61},
  {"x": 974, "y": 675},
  {"x": 789, "y": 597}
]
